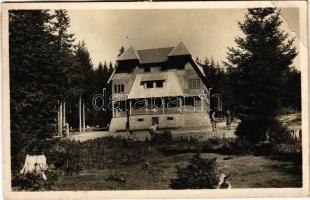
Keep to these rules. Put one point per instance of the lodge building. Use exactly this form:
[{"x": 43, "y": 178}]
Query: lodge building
[{"x": 162, "y": 86}]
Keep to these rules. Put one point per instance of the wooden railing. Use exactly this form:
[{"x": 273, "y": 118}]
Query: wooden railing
[{"x": 187, "y": 109}]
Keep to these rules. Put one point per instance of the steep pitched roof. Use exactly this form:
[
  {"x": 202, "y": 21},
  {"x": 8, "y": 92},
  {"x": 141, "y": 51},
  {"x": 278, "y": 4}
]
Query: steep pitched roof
[
  {"x": 129, "y": 54},
  {"x": 154, "y": 55},
  {"x": 172, "y": 86},
  {"x": 179, "y": 50},
  {"x": 158, "y": 55}
]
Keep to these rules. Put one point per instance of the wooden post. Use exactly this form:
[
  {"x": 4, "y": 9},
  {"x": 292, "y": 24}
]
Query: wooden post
[
  {"x": 113, "y": 108},
  {"x": 64, "y": 115},
  {"x": 202, "y": 102},
  {"x": 194, "y": 104},
  {"x": 180, "y": 104},
  {"x": 60, "y": 119},
  {"x": 80, "y": 114},
  {"x": 146, "y": 105},
  {"x": 163, "y": 104},
  {"x": 130, "y": 107},
  {"x": 83, "y": 116}
]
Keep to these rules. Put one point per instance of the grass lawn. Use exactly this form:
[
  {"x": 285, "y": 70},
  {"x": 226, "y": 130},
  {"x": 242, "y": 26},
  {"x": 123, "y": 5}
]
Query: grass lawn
[
  {"x": 141, "y": 165},
  {"x": 247, "y": 171}
]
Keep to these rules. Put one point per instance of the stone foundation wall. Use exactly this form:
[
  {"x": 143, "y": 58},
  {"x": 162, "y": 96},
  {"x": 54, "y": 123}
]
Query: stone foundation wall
[
  {"x": 118, "y": 123},
  {"x": 165, "y": 121}
]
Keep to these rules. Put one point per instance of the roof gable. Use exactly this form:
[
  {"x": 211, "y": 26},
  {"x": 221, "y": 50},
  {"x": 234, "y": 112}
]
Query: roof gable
[
  {"x": 129, "y": 54},
  {"x": 179, "y": 50},
  {"x": 158, "y": 55}
]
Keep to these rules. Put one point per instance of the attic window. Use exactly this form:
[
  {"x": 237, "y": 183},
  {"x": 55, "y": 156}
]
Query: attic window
[
  {"x": 149, "y": 84},
  {"x": 159, "y": 84},
  {"x": 147, "y": 69},
  {"x": 152, "y": 84}
]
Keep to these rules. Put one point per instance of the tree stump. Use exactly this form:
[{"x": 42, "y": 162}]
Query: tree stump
[{"x": 35, "y": 164}]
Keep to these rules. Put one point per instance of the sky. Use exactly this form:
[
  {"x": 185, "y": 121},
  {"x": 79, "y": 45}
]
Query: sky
[{"x": 205, "y": 32}]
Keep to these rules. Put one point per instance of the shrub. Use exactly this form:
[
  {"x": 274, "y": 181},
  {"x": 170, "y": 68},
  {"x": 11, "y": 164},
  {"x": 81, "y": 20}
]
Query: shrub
[
  {"x": 161, "y": 138},
  {"x": 256, "y": 131},
  {"x": 35, "y": 182},
  {"x": 200, "y": 173}
]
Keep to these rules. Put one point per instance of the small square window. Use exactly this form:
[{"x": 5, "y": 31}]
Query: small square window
[
  {"x": 159, "y": 84},
  {"x": 149, "y": 84},
  {"x": 169, "y": 118},
  {"x": 140, "y": 119}
]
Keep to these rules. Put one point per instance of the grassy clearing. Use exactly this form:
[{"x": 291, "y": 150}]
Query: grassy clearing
[
  {"x": 153, "y": 169},
  {"x": 246, "y": 172}
]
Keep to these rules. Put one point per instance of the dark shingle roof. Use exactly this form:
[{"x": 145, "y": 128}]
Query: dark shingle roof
[
  {"x": 154, "y": 55},
  {"x": 159, "y": 55}
]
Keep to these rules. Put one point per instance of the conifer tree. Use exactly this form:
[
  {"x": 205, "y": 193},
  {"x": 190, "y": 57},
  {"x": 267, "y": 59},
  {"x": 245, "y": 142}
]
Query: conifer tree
[
  {"x": 33, "y": 90},
  {"x": 111, "y": 68},
  {"x": 258, "y": 66},
  {"x": 64, "y": 49}
]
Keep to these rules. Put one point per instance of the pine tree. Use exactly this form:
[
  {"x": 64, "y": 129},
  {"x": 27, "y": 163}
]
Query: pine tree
[
  {"x": 258, "y": 65},
  {"x": 80, "y": 81},
  {"x": 33, "y": 90},
  {"x": 64, "y": 49},
  {"x": 111, "y": 68},
  {"x": 198, "y": 174}
]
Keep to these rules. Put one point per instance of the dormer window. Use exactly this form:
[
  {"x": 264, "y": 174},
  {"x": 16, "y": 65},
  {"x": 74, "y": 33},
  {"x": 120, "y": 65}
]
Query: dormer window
[
  {"x": 153, "y": 84},
  {"x": 159, "y": 84}
]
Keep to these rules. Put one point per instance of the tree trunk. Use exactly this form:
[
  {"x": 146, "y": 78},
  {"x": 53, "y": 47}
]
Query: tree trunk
[
  {"x": 64, "y": 115},
  {"x": 83, "y": 116},
  {"x": 35, "y": 164},
  {"x": 80, "y": 114},
  {"x": 60, "y": 119}
]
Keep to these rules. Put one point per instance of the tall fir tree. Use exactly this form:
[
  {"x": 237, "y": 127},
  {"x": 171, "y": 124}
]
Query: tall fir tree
[
  {"x": 33, "y": 90},
  {"x": 64, "y": 49},
  {"x": 80, "y": 81},
  {"x": 259, "y": 64}
]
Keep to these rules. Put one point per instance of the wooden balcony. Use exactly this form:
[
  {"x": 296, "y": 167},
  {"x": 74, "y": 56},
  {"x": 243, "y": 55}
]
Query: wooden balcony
[{"x": 183, "y": 110}]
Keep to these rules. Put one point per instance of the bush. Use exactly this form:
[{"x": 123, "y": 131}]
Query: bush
[
  {"x": 256, "y": 131},
  {"x": 161, "y": 137},
  {"x": 200, "y": 173},
  {"x": 35, "y": 182}
]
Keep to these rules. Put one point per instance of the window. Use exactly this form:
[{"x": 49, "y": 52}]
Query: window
[
  {"x": 152, "y": 84},
  {"x": 194, "y": 83},
  {"x": 159, "y": 84},
  {"x": 147, "y": 69},
  {"x": 169, "y": 118},
  {"x": 149, "y": 84},
  {"x": 140, "y": 119},
  {"x": 119, "y": 88}
]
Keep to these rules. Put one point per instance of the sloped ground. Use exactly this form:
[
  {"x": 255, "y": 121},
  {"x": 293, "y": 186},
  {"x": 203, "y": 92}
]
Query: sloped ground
[
  {"x": 246, "y": 172},
  {"x": 154, "y": 169}
]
